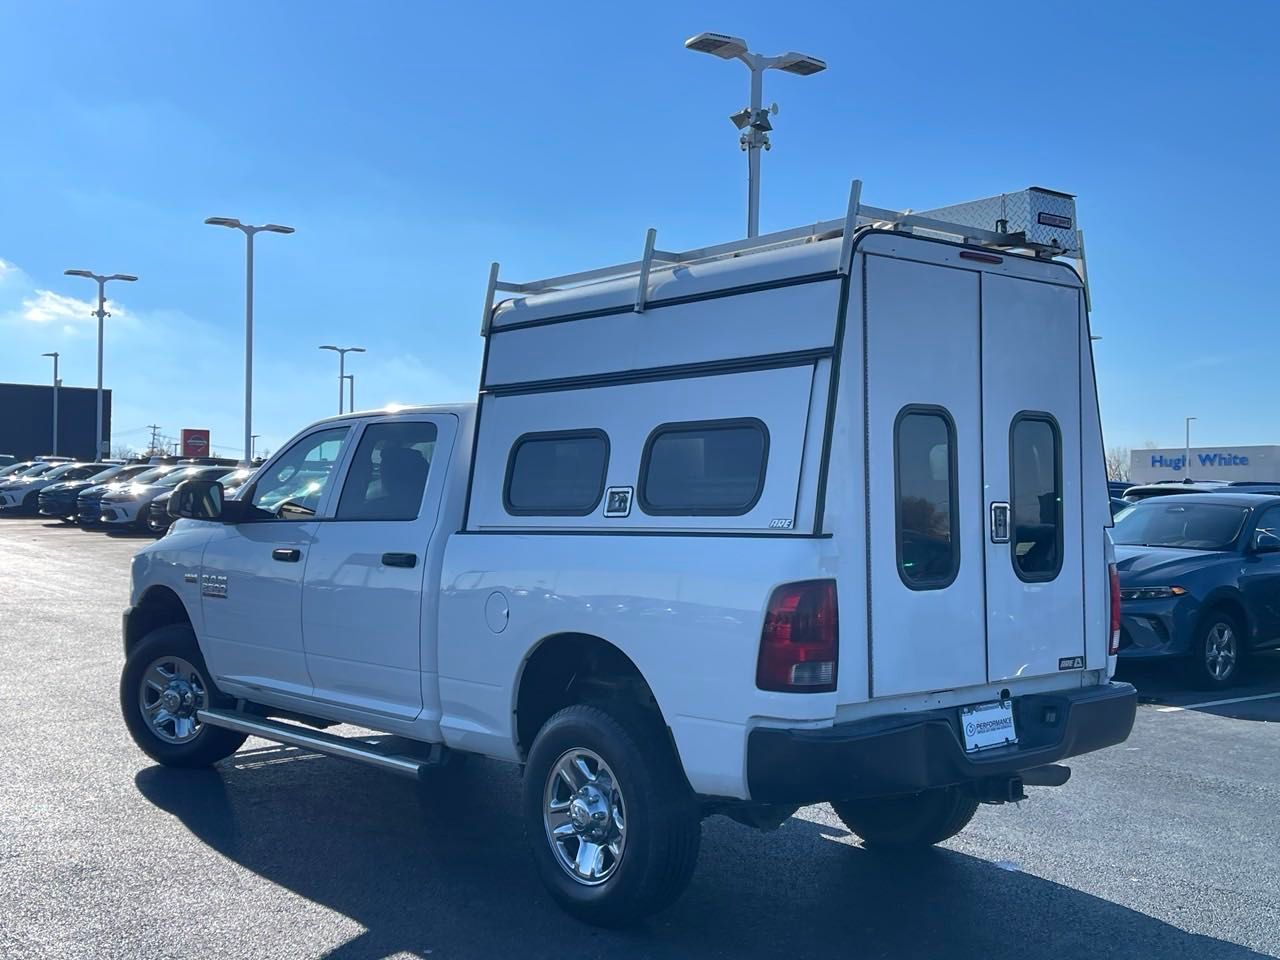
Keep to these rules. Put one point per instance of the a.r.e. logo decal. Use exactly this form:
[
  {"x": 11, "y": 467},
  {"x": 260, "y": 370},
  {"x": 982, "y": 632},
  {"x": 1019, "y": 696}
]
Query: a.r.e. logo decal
[
  {"x": 1071, "y": 663},
  {"x": 617, "y": 502}
]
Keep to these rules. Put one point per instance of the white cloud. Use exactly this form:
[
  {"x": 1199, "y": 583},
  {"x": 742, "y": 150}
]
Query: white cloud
[
  {"x": 45, "y": 306},
  {"x": 6, "y": 269}
]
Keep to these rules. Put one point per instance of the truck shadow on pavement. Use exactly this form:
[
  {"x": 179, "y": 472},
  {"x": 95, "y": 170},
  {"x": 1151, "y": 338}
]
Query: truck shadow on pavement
[{"x": 443, "y": 869}]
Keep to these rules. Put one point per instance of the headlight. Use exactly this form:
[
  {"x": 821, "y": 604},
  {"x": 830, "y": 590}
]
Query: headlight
[{"x": 1151, "y": 593}]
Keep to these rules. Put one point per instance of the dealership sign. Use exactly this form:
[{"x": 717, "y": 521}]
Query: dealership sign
[
  {"x": 195, "y": 443},
  {"x": 1178, "y": 463},
  {"x": 1246, "y": 462}
]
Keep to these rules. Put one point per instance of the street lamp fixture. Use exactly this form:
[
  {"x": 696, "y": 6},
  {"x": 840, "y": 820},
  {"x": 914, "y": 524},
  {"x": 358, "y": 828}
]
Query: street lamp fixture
[
  {"x": 753, "y": 120},
  {"x": 1186, "y": 450},
  {"x": 101, "y": 313},
  {"x": 342, "y": 371},
  {"x": 56, "y": 383},
  {"x": 249, "y": 232}
]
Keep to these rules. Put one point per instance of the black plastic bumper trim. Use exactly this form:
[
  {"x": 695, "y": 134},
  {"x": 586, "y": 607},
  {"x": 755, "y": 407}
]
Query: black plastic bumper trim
[{"x": 907, "y": 753}]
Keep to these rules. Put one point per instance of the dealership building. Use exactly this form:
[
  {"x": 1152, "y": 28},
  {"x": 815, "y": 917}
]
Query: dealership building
[
  {"x": 26, "y": 420},
  {"x": 1207, "y": 463}
]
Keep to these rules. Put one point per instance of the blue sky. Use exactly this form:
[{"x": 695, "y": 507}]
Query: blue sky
[{"x": 411, "y": 143}]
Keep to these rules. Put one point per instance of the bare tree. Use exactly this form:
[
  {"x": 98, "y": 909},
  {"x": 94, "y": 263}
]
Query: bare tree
[
  {"x": 122, "y": 451},
  {"x": 1118, "y": 463}
]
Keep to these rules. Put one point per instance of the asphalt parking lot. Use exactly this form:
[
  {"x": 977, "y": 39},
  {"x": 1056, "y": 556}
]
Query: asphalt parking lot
[{"x": 1168, "y": 846}]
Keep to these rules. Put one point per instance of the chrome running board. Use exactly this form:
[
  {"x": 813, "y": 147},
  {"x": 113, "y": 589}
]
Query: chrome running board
[{"x": 385, "y": 752}]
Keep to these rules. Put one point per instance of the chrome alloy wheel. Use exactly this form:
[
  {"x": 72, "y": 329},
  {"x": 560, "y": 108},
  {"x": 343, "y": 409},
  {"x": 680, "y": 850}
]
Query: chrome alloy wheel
[
  {"x": 584, "y": 816},
  {"x": 171, "y": 692},
  {"x": 1220, "y": 651}
]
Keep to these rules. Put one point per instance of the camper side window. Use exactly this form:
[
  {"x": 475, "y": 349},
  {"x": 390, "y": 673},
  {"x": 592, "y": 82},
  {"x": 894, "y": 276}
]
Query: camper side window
[
  {"x": 925, "y": 469},
  {"x": 1035, "y": 484},
  {"x": 712, "y": 468},
  {"x": 556, "y": 474}
]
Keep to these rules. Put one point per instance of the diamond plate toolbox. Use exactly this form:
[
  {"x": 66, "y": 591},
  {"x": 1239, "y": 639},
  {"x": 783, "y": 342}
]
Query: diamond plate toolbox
[{"x": 1046, "y": 218}]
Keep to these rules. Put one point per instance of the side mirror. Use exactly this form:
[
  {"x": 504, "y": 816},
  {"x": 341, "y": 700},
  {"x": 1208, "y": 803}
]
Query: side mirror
[
  {"x": 1266, "y": 542},
  {"x": 197, "y": 500}
]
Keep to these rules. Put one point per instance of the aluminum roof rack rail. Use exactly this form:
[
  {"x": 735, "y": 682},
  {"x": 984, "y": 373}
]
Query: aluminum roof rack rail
[{"x": 1035, "y": 220}]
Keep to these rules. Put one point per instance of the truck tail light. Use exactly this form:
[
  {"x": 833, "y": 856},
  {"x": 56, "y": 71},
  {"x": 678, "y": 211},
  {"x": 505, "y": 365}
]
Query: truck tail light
[
  {"x": 800, "y": 642},
  {"x": 1113, "y": 645}
]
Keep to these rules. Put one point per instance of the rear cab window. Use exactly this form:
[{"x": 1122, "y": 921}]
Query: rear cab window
[{"x": 388, "y": 473}]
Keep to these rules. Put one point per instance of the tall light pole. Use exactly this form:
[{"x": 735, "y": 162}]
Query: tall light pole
[
  {"x": 1186, "y": 453},
  {"x": 101, "y": 314},
  {"x": 253, "y": 446},
  {"x": 249, "y": 233},
  {"x": 56, "y": 384},
  {"x": 753, "y": 120},
  {"x": 351, "y": 396},
  {"x": 342, "y": 366}
]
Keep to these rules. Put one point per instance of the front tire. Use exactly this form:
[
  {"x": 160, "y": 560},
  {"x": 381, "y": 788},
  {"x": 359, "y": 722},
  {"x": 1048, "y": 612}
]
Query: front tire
[
  {"x": 918, "y": 820},
  {"x": 611, "y": 822},
  {"x": 1217, "y": 651},
  {"x": 163, "y": 685}
]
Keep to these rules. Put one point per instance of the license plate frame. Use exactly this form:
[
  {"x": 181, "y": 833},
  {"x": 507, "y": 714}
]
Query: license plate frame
[{"x": 986, "y": 726}]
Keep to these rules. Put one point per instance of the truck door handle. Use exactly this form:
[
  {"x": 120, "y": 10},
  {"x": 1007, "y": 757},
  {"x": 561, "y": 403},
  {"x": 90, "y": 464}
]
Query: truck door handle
[
  {"x": 999, "y": 522},
  {"x": 286, "y": 554},
  {"x": 399, "y": 559}
]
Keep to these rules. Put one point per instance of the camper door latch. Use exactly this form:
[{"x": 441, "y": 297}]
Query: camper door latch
[{"x": 999, "y": 522}]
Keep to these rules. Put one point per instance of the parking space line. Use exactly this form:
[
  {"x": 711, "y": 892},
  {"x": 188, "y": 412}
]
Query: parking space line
[{"x": 1217, "y": 703}]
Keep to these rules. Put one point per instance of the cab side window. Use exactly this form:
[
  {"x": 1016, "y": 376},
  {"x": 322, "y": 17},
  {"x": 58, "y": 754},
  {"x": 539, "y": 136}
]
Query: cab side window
[
  {"x": 294, "y": 485},
  {"x": 389, "y": 472}
]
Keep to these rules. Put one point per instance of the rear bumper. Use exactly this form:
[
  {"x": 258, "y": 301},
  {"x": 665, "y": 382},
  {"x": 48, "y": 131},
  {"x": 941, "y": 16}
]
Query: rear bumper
[{"x": 886, "y": 756}]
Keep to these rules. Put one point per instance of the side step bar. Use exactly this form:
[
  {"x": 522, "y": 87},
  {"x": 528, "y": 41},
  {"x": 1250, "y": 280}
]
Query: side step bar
[{"x": 380, "y": 752}]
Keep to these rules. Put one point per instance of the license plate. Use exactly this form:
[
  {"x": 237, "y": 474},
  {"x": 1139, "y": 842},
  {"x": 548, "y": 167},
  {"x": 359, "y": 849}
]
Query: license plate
[{"x": 987, "y": 725}]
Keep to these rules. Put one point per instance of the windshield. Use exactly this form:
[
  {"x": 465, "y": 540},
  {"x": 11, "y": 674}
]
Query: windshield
[
  {"x": 14, "y": 469},
  {"x": 37, "y": 470},
  {"x": 150, "y": 475},
  {"x": 1192, "y": 526},
  {"x": 61, "y": 469},
  {"x": 105, "y": 473}
]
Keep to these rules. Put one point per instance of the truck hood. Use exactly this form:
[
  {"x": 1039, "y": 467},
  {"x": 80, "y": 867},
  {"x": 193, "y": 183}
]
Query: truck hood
[{"x": 1138, "y": 563}]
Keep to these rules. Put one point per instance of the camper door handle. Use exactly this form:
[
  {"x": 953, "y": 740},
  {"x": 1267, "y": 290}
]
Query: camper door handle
[
  {"x": 999, "y": 522},
  {"x": 400, "y": 560},
  {"x": 286, "y": 554}
]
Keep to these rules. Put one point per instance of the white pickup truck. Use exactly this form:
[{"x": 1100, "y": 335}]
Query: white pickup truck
[{"x": 819, "y": 516}]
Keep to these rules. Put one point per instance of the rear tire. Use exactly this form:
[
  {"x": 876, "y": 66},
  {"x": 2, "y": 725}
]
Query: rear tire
[
  {"x": 915, "y": 821},
  {"x": 1217, "y": 651},
  {"x": 609, "y": 783},
  {"x": 163, "y": 684}
]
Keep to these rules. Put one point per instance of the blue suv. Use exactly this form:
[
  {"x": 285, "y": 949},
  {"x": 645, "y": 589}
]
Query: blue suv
[{"x": 1200, "y": 581}]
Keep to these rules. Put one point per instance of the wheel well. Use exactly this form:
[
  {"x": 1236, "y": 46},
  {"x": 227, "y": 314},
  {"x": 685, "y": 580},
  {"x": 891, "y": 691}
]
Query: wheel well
[
  {"x": 575, "y": 668},
  {"x": 1231, "y": 605},
  {"x": 160, "y": 607}
]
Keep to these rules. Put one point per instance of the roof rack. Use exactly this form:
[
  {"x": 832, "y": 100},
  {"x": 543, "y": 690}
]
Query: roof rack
[{"x": 1042, "y": 221}]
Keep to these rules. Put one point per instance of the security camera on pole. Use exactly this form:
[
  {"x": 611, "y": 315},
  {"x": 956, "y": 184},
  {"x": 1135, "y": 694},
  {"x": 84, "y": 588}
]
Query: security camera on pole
[{"x": 753, "y": 120}]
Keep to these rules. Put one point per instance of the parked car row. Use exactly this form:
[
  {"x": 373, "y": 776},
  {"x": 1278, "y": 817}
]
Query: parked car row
[
  {"x": 1200, "y": 579},
  {"x": 110, "y": 494}
]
